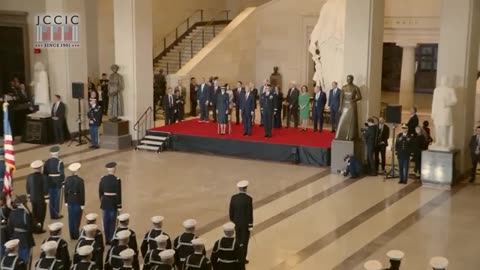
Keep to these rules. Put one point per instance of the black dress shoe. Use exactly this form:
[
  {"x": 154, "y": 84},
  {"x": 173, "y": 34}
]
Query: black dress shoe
[
  {"x": 247, "y": 261},
  {"x": 244, "y": 134},
  {"x": 58, "y": 217}
]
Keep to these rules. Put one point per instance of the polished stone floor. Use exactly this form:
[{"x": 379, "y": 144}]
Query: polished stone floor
[{"x": 305, "y": 217}]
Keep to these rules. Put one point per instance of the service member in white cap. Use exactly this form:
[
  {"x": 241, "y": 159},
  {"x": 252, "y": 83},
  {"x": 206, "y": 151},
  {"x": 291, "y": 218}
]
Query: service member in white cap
[
  {"x": 404, "y": 146},
  {"x": 12, "y": 260},
  {"x": 372, "y": 265},
  {"x": 86, "y": 263},
  {"x": 50, "y": 260},
  {"x": 227, "y": 253},
  {"x": 91, "y": 218},
  {"x": 74, "y": 199},
  {"x": 395, "y": 257},
  {"x": 149, "y": 242},
  {"x": 55, "y": 172},
  {"x": 127, "y": 257},
  {"x": 37, "y": 191},
  {"x": 113, "y": 259},
  {"x": 183, "y": 242},
  {"x": 241, "y": 213},
  {"x": 152, "y": 258},
  {"x": 110, "y": 191},
  {"x": 439, "y": 263},
  {"x": 198, "y": 260},
  {"x": 89, "y": 240},
  {"x": 62, "y": 253},
  {"x": 123, "y": 221},
  {"x": 168, "y": 260},
  {"x": 19, "y": 222}
]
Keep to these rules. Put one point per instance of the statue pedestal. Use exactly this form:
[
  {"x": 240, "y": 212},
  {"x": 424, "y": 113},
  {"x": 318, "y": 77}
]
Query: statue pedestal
[
  {"x": 438, "y": 168},
  {"x": 116, "y": 135},
  {"x": 342, "y": 148},
  {"x": 38, "y": 129}
]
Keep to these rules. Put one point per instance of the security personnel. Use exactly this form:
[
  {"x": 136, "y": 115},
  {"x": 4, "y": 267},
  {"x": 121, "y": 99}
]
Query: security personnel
[
  {"x": 50, "y": 260},
  {"x": 110, "y": 193},
  {"x": 89, "y": 240},
  {"x": 4, "y": 214},
  {"x": 20, "y": 226},
  {"x": 152, "y": 258},
  {"x": 62, "y": 252},
  {"x": 74, "y": 200},
  {"x": 241, "y": 214},
  {"x": 227, "y": 253},
  {"x": 168, "y": 260},
  {"x": 92, "y": 219},
  {"x": 37, "y": 192},
  {"x": 94, "y": 121},
  {"x": 12, "y": 261},
  {"x": 127, "y": 259},
  {"x": 54, "y": 170},
  {"x": 395, "y": 257},
  {"x": 2, "y": 168},
  {"x": 124, "y": 220},
  {"x": 85, "y": 253},
  {"x": 404, "y": 149},
  {"x": 183, "y": 243},
  {"x": 149, "y": 242},
  {"x": 113, "y": 259},
  {"x": 268, "y": 108},
  {"x": 197, "y": 260}
]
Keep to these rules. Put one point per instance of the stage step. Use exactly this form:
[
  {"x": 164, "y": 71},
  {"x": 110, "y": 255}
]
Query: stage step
[
  {"x": 150, "y": 142},
  {"x": 147, "y": 147},
  {"x": 155, "y": 138},
  {"x": 154, "y": 141}
]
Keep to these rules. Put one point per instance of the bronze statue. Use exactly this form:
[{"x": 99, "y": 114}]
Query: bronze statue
[
  {"x": 115, "y": 87},
  {"x": 347, "y": 129},
  {"x": 276, "y": 78}
]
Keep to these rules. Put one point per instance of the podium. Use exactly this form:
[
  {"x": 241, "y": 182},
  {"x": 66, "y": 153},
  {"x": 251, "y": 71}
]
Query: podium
[
  {"x": 38, "y": 129},
  {"x": 116, "y": 135}
]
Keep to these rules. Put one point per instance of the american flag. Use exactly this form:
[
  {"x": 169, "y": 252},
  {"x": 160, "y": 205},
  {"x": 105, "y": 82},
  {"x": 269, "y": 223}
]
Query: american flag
[{"x": 9, "y": 156}]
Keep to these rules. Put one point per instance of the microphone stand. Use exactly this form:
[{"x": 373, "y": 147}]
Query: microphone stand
[{"x": 393, "y": 171}]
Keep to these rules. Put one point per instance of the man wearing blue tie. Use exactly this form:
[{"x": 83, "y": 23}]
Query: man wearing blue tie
[
  {"x": 203, "y": 94},
  {"x": 319, "y": 101},
  {"x": 334, "y": 105},
  {"x": 248, "y": 108}
]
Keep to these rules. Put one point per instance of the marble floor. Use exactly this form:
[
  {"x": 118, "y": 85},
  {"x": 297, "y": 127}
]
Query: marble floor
[{"x": 304, "y": 217}]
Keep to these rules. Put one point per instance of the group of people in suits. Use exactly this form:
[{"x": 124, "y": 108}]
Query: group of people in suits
[{"x": 174, "y": 104}]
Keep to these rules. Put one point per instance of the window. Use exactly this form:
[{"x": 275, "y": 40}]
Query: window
[{"x": 426, "y": 55}]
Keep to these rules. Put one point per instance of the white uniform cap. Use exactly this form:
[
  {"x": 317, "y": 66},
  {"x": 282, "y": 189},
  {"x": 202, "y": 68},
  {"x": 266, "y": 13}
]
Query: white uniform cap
[
  {"x": 242, "y": 184},
  {"x": 55, "y": 226},
  {"x": 36, "y": 164},
  {"x": 373, "y": 265},
  {"x": 50, "y": 245},
  {"x": 124, "y": 217},
  {"x": 85, "y": 250},
  {"x": 157, "y": 219},
  {"x": 127, "y": 253},
  {"x": 396, "y": 255},
  {"x": 12, "y": 243},
  {"x": 189, "y": 223},
  {"x": 123, "y": 234},
  {"x": 162, "y": 238},
  {"x": 74, "y": 167},
  {"x": 229, "y": 227},
  {"x": 198, "y": 242},
  {"x": 439, "y": 263},
  {"x": 90, "y": 227},
  {"x": 167, "y": 254},
  {"x": 91, "y": 216}
]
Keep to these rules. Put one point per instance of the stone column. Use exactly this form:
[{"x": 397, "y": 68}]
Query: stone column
[
  {"x": 133, "y": 53},
  {"x": 407, "y": 79},
  {"x": 458, "y": 59}
]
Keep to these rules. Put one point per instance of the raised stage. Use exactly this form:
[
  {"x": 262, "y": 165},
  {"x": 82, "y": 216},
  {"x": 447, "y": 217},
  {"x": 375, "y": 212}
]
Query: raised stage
[{"x": 288, "y": 145}]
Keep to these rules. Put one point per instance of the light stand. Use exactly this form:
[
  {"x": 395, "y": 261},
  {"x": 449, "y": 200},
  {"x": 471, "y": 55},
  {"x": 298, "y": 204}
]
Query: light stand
[
  {"x": 393, "y": 171},
  {"x": 79, "y": 137}
]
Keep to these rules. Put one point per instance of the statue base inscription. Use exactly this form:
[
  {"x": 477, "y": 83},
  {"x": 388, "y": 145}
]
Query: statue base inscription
[
  {"x": 342, "y": 148},
  {"x": 116, "y": 135},
  {"x": 438, "y": 168}
]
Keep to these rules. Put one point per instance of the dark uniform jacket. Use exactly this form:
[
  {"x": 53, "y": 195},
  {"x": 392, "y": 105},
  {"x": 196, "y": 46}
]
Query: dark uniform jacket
[
  {"x": 20, "y": 226},
  {"x": 84, "y": 265},
  {"x": 98, "y": 238},
  {"x": 95, "y": 116},
  {"x": 12, "y": 262},
  {"x": 292, "y": 97},
  {"x": 113, "y": 185},
  {"x": 49, "y": 263},
  {"x": 55, "y": 172},
  {"x": 149, "y": 242},
  {"x": 4, "y": 214},
  {"x": 197, "y": 261},
  {"x": 404, "y": 146},
  {"x": 183, "y": 247},
  {"x": 241, "y": 211},
  {"x": 226, "y": 254},
  {"x": 97, "y": 254},
  {"x": 113, "y": 259},
  {"x": 132, "y": 243},
  {"x": 278, "y": 99},
  {"x": 37, "y": 187},
  {"x": 268, "y": 104},
  {"x": 165, "y": 267},
  {"x": 74, "y": 190},
  {"x": 62, "y": 251},
  {"x": 152, "y": 259}
]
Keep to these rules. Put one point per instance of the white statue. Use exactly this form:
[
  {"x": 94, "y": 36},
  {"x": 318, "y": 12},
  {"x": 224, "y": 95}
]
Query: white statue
[
  {"x": 444, "y": 99},
  {"x": 327, "y": 43},
  {"x": 41, "y": 89}
]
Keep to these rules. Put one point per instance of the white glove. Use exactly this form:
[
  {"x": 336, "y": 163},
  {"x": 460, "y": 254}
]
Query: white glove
[
  {"x": 66, "y": 204},
  {"x": 250, "y": 229},
  {"x": 82, "y": 207},
  {"x": 119, "y": 209},
  {"x": 47, "y": 201}
]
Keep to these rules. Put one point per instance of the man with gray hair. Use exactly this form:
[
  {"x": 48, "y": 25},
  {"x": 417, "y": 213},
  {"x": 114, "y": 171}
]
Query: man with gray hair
[{"x": 292, "y": 104}]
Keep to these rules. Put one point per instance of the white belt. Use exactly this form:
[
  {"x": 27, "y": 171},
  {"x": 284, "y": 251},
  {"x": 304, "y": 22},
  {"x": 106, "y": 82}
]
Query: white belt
[
  {"x": 54, "y": 175},
  {"x": 109, "y": 194},
  {"x": 227, "y": 261}
]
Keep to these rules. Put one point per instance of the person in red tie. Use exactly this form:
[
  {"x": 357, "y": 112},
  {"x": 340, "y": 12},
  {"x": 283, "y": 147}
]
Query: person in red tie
[{"x": 169, "y": 107}]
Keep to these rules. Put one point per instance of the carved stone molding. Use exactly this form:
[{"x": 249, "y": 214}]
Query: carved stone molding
[{"x": 412, "y": 30}]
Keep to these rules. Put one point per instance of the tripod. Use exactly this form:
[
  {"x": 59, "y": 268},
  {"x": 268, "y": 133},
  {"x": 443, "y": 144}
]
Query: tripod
[
  {"x": 79, "y": 137},
  {"x": 393, "y": 173}
]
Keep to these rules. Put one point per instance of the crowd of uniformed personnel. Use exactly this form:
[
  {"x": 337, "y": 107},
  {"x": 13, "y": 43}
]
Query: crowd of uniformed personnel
[{"x": 45, "y": 187}]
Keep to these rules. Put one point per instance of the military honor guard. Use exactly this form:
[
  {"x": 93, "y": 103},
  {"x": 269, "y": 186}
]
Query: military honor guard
[
  {"x": 241, "y": 214},
  {"x": 37, "y": 192},
  {"x": 12, "y": 260},
  {"x": 227, "y": 253},
  {"x": 183, "y": 243},
  {"x": 92, "y": 219},
  {"x": 50, "y": 260},
  {"x": 248, "y": 110},
  {"x": 62, "y": 252},
  {"x": 94, "y": 122},
  {"x": 2, "y": 167},
  {"x": 404, "y": 149},
  {"x": 198, "y": 260},
  {"x": 268, "y": 108},
  {"x": 85, "y": 263},
  {"x": 372, "y": 265},
  {"x": 124, "y": 220},
  {"x": 113, "y": 259},
  {"x": 127, "y": 259},
  {"x": 439, "y": 263},
  {"x": 54, "y": 170},
  {"x": 110, "y": 193},
  {"x": 74, "y": 199},
  {"x": 395, "y": 257},
  {"x": 149, "y": 242},
  {"x": 20, "y": 226},
  {"x": 152, "y": 258},
  {"x": 168, "y": 260},
  {"x": 89, "y": 240},
  {"x": 4, "y": 214}
]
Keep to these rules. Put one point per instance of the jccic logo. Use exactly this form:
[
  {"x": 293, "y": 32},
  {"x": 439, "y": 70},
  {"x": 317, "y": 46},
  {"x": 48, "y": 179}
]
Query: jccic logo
[{"x": 57, "y": 31}]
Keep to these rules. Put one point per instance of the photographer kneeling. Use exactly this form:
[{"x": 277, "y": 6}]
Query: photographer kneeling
[
  {"x": 354, "y": 167},
  {"x": 370, "y": 134}
]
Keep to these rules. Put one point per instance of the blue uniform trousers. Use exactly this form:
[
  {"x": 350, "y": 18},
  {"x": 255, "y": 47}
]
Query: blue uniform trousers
[
  {"x": 24, "y": 253},
  {"x": 247, "y": 123},
  {"x": 74, "y": 218},
  {"x": 109, "y": 221},
  {"x": 403, "y": 164},
  {"x": 54, "y": 202},
  {"x": 94, "y": 134}
]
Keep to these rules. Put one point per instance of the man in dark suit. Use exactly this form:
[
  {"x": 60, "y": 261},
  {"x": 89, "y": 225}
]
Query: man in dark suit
[
  {"x": 334, "y": 104},
  {"x": 241, "y": 213},
  {"x": 404, "y": 149},
  {"x": 474, "y": 146},
  {"x": 58, "y": 117},
  {"x": 248, "y": 109},
  {"x": 371, "y": 143},
  {"x": 382, "y": 143},
  {"x": 319, "y": 101},
  {"x": 193, "y": 96},
  {"x": 169, "y": 107},
  {"x": 215, "y": 90},
  {"x": 238, "y": 94},
  {"x": 203, "y": 100},
  {"x": 278, "y": 99},
  {"x": 292, "y": 103},
  {"x": 412, "y": 122}
]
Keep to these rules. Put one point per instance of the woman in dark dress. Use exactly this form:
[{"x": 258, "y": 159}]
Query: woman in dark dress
[{"x": 223, "y": 106}]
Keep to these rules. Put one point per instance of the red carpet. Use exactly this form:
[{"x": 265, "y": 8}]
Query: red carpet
[{"x": 289, "y": 136}]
